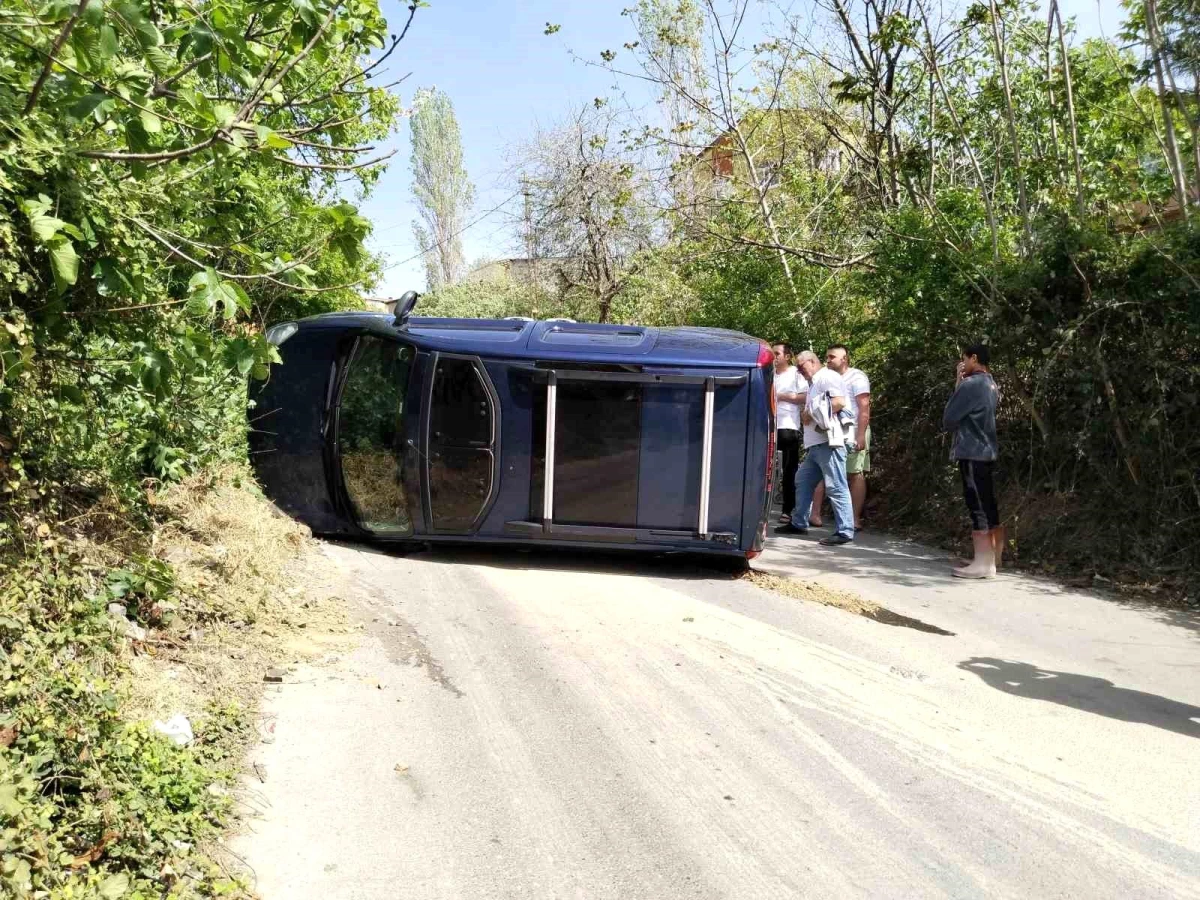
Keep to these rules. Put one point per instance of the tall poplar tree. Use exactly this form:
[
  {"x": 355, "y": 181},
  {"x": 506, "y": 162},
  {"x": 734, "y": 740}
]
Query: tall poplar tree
[{"x": 444, "y": 193}]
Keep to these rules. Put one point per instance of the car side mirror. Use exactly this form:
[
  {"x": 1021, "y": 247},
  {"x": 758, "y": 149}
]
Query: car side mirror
[{"x": 404, "y": 307}]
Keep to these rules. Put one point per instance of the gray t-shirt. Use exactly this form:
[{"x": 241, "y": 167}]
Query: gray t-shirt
[{"x": 971, "y": 415}]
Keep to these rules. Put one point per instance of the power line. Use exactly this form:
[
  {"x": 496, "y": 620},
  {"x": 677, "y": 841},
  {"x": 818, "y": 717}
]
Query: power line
[{"x": 451, "y": 237}]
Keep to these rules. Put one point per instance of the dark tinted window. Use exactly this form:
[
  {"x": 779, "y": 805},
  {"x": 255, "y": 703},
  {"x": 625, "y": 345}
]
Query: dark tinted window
[
  {"x": 461, "y": 461},
  {"x": 370, "y": 437},
  {"x": 598, "y": 437},
  {"x": 461, "y": 411}
]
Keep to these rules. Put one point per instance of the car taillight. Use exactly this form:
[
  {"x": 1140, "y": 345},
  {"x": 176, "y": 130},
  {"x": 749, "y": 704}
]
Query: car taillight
[{"x": 766, "y": 361}]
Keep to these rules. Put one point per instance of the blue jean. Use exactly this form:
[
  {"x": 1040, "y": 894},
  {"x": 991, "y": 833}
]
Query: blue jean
[{"x": 827, "y": 462}]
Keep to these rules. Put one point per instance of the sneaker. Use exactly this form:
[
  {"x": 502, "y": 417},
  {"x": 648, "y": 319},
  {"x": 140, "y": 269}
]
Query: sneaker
[
  {"x": 790, "y": 529},
  {"x": 836, "y": 539}
]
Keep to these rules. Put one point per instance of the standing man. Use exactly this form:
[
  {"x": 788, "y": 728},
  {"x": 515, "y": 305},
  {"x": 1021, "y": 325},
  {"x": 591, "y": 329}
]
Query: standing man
[
  {"x": 826, "y": 398},
  {"x": 790, "y": 392},
  {"x": 971, "y": 415},
  {"x": 858, "y": 455}
]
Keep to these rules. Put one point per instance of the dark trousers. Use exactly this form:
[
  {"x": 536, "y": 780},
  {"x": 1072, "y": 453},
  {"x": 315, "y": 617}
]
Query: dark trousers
[
  {"x": 980, "y": 493},
  {"x": 788, "y": 441}
]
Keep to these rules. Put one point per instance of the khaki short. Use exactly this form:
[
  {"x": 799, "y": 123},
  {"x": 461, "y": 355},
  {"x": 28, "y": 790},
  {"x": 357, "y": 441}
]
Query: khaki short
[{"x": 859, "y": 463}]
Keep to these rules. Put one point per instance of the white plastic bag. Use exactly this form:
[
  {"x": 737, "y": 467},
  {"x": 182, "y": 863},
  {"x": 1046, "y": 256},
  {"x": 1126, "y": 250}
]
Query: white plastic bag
[{"x": 177, "y": 729}]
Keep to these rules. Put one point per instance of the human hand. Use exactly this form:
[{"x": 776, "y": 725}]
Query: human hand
[
  {"x": 860, "y": 445},
  {"x": 806, "y": 418},
  {"x": 960, "y": 372}
]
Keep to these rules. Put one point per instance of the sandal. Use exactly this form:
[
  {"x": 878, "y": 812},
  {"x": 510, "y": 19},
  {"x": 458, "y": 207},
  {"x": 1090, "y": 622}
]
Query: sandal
[{"x": 785, "y": 519}]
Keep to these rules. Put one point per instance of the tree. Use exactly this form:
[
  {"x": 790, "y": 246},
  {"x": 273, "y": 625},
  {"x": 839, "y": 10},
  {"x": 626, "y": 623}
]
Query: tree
[
  {"x": 174, "y": 176},
  {"x": 588, "y": 213},
  {"x": 444, "y": 193}
]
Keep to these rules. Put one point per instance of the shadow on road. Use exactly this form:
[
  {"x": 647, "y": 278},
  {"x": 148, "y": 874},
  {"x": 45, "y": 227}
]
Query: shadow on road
[
  {"x": 1093, "y": 695},
  {"x": 693, "y": 567}
]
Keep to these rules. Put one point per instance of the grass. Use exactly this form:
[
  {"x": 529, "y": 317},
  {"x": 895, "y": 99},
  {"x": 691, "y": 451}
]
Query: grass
[{"x": 93, "y": 802}]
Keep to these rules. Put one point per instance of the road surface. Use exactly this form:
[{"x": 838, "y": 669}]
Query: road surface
[{"x": 521, "y": 726}]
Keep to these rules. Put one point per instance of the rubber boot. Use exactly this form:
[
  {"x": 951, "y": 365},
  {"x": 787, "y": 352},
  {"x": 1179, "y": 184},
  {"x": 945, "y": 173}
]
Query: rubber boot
[
  {"x": 998, "y": 535},
  {"x": 984, "y": 563}
]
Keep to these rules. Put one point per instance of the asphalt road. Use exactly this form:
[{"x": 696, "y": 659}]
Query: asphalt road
[{"x": 516, "y": 726}]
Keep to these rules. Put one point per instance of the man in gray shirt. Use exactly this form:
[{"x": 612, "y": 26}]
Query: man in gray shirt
[{"x": 971, "y": 415}]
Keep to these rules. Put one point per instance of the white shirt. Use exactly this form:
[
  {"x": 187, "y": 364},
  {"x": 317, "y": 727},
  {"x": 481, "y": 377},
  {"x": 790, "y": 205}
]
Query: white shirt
[
  {"x": 787, "y": 413},
  {"x": 826, "y": 383},
  {"x": 856, "y": 383}
]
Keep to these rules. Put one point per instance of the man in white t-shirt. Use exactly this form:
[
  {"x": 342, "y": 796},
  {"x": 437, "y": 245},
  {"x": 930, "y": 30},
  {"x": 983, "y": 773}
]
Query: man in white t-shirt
[
  {"x": 858, "y": 454},
  {"x": 790, "y": 392},
  {"x": 823, "y": 460}
]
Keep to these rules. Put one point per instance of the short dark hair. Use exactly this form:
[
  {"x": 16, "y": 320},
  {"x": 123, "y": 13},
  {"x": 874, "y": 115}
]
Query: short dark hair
[
  {"x": 841, "y": 347},
  {"x": 787, "y": 348},
  {"x": 980, "y": 352}
]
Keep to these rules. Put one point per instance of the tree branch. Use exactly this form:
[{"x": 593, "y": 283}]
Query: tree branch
[
  {"x": 333, "y": 167},
  {"x": 54, "y": 48},
  {"x": 164, "y": 156}
]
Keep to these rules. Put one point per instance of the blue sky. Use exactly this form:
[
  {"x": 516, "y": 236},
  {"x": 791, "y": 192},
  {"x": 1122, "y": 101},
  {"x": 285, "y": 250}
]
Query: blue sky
[{"x": 505, "y": 77}]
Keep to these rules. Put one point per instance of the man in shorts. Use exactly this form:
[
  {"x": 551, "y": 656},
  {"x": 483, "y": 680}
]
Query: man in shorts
[
  {"x": 971, "y": 415},
  {"x": 823, "y": 460},
  {"x": 858, "y": 455}
]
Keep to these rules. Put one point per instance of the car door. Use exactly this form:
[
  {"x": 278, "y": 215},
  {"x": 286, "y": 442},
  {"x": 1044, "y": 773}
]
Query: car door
[
  {"x": 379, "y": 481},
  {"x": 461, "y": 445}
]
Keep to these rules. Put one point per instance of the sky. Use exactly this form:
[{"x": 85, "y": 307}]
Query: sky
[{"x": 505, "y": 77}]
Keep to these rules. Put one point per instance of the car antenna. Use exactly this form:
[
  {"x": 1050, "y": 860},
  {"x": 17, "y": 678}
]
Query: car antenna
[{"x": 404, "y": 307}]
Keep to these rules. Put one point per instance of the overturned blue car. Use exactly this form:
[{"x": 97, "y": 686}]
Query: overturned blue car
[{"x": 405, "y": 429}]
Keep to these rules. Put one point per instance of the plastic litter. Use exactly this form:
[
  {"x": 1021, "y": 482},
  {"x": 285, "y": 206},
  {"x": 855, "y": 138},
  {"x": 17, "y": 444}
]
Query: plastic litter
[{"x": 177, "y": 729}]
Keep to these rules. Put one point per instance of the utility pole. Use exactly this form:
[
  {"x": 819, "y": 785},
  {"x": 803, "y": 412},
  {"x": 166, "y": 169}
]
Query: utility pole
[{"x": 528, "y": 217}]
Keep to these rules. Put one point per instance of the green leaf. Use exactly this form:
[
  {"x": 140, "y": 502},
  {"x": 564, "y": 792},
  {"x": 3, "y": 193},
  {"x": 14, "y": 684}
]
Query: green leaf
[
  {"x": 86, "y": 42},
  {"x": 150, "y": 122},
  {"x": 64, "y": 263},
  {"x": 42, "y": 226},
  {"x": 114, "y": 886},
  {"x": 110, "y": 44},
  {"x": 93, "y": 14},
  {"x": 160, "y": 59},
  {"x": 155, "y": 366},
  {"x": 111, "y": 280},
  {"x": 223, "y": 114},
  {"x": 87, "y": 105},
  {"x": 306, "y": 11},
  {"x": 9, "y": 804},
  {"x": 209, "y": 290},
  {"x": 271, "y": 139}
]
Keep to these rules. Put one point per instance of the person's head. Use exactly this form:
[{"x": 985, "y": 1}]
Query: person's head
[
  {"x": 783, "y": 356},
  {"x": 808, "y": 364},
  {"x": 837, "y": 357},
  {"x": 975, "y": 358}
]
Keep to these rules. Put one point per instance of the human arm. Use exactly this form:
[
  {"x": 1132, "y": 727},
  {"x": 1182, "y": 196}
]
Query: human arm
[
  {"x": 961, "y": 403},
  {"x": 864, "y": 420}
]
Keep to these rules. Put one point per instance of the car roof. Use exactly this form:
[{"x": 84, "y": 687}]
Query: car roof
[{"x": 558, "y": 339}]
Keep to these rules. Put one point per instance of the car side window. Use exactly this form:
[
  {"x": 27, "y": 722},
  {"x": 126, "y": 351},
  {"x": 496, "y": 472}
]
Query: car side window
[
  {"x": 461, "y": 441},
  {"x": 370, "y": 438}
]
